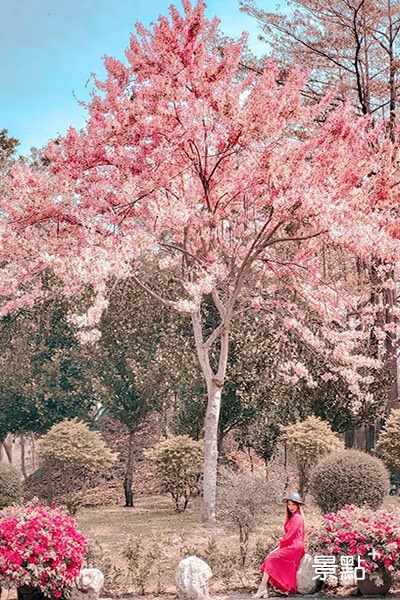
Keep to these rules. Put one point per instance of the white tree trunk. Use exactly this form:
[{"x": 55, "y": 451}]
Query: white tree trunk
[
  {"x": 211, "y": 452},
  {"x": 215, "y": 383}
]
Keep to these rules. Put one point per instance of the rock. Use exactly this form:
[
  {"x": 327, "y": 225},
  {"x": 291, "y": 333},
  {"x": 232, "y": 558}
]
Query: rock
[
  {"x": 305, "y": 582},
  {"x": 88, "y": 585},
  {"x": 192, "y": 576}
]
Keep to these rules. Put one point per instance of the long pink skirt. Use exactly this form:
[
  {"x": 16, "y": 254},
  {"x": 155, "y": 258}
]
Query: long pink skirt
[{"x": 282, "y": 565}]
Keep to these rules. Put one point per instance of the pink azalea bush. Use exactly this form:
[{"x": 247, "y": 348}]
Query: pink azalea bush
[
  {"x": 40, "y": 547},
  {"x": 374, "y": 536}
]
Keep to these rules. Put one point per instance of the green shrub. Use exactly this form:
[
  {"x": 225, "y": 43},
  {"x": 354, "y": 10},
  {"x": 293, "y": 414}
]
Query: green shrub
[
  {"x": 145, "y": 562},
  {"x": 75, "y": 450},
  {"x": 10, "y": 485},
  {"x": 71, "y": 444},
  {"x": 309, "y": 440},
  {"x": 349, "y": 477},
  {"x": 98, "y": 556},
  {"x": 388, "y": 445},
  {"x": 180, "y": 467},
  {"x": 222, "y": 558}
]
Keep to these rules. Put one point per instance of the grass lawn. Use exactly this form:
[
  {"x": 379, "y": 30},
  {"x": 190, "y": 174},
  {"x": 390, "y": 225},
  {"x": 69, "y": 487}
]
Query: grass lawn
[
  {"x": 170, "y": 536},
  {"x": 154, "y": 521}
]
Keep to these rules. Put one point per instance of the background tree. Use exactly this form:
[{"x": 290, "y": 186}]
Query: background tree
[
  {"x": 388, "y": 445},
  {"x": 180, "y": 466},
  {"x": 115, "y": 365},
  {"x": 8, "y": 146},
  {"x": 309, "y": 441},
  {"x": 45, "y": 373},
  {"x": 351, "y": 49},
  {"x": 142, "y": 361}
]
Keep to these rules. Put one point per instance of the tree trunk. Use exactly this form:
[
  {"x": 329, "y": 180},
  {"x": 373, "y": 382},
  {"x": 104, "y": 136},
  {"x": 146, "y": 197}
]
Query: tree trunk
[
  {"x": 23, "y": 457},
  {"x": 250, "y": 460},
  {"x": 7, "y": 451},
  {"x": 387, "y": 318},
  {"x": 215, "y": 382},
  {"x": 221, "y": 438},
  {"x": 390, "y": 302},
  {"x": 390, "y": 294},
  {"x": 49, "y": 490},
  {"x": 285, "y": 460},
  {"x": 370, "y": 437},
  {"x": 129, "y": 473},
  {"x": 211, "y": 452},
  {"x": 8, "y": 447},
  {"x": 304, "y": 473},
  {"x": 349, "y": 436},
  {"x": 33, "y": 451}
]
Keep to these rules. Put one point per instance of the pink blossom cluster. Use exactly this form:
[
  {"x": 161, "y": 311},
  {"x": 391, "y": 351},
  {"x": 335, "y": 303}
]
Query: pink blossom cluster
[
  {"x": 374, "y": 536},
  {"x": 40, "y": 547}
]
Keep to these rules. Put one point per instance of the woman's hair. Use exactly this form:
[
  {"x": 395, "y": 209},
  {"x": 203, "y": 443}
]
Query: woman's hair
[{"x": 289, "y": 515}]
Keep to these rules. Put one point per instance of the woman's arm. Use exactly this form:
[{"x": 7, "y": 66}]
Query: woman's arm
[{"x": 295, "y": 524}]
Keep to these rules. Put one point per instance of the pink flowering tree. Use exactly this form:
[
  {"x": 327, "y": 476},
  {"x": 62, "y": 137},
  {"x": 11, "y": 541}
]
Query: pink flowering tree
[{"x": 226, "y": 181}]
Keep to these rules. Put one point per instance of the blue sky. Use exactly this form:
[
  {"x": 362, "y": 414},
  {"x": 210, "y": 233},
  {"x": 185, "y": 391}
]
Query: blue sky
[{"x": 49, "y": 48}]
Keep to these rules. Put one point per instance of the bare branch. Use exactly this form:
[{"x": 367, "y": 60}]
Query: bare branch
[
  {"x": 182, "y": 250},
  {"x": 218, "y": 303},
  {"x": 164, "y": 301},
  {"x": 213, "y": 337},
  {"x": 295, "y": 239}
]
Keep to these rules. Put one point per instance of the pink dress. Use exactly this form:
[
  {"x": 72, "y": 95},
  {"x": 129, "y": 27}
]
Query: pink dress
[{"x": 282, "y": 564}]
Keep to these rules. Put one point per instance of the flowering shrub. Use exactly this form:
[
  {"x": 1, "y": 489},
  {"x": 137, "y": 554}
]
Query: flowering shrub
[
  {"x": 374, "y": 536},
  {"x": 39, "y": 547}
]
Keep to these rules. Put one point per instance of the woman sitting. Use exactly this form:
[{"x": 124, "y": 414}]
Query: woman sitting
[{"x": 280, "y": 567}]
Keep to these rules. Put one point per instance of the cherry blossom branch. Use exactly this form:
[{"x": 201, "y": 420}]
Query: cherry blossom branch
[
  {"x": 293, "y": 266},
  {"x": 214, "y": 336},
  {"x": 143, "y": 286},
  {"x": 223, "y": 355},
  {"x": 183, "y": 251},
  {"x": 202, "y": 349},
  {"x": 218, "y": 302},
  {"x": 294, "y": 239},
  {"x": 248, "y": 261}
]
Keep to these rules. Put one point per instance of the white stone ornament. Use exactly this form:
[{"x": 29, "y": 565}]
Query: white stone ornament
[
  {"x": 192, "y": 576},
  {"x": 305, "y": 573},
  {"x": 88, "y": 585}
]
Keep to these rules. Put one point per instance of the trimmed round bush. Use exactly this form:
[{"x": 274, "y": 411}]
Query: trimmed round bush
[
  {"x": 349, "y": 477},
  {"x": 10, "y": 485}
]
